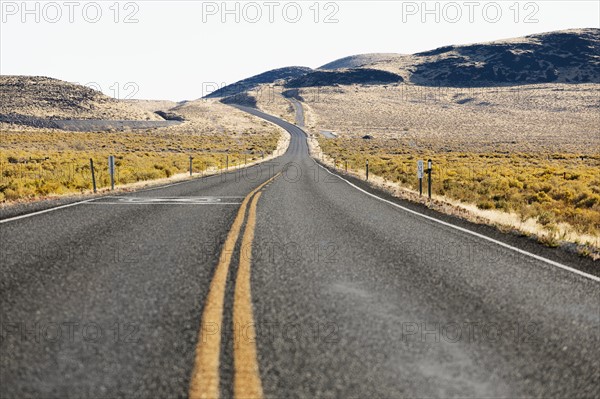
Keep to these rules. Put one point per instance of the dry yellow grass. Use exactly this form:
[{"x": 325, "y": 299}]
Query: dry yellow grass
[
  {"x": 526, "y": 157},
  {"x": 37, "y": 162}
]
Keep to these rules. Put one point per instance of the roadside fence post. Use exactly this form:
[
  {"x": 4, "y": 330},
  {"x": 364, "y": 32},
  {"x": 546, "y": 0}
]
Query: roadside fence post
[
  {"x": 111, "y": 171},
  {"x": 93, "y": 175},
  {"x": 429, "y": 170}
]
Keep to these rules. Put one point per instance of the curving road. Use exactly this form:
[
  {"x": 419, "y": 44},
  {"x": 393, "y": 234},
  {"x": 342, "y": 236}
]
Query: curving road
[{"x": 287, "y": 281}]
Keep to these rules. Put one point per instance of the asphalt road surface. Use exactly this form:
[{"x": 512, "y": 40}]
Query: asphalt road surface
[
  {"x": 299, "y": 112},
  {"x": 285, "y": 281},
  {"x": 85, "y": 125}
]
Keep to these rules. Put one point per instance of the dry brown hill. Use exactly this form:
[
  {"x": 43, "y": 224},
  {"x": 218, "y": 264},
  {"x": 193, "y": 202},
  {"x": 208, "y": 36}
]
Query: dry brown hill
[
  {"x": 47, "y": 98},
  {"x": 568, "y": 56}
]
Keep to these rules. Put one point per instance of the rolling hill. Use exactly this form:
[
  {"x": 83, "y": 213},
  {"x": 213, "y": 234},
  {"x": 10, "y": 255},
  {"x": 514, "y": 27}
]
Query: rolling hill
[
  {"x": 568, "y": 56},
  {"x": 26, "y": 97},
  {"x": 344, "y": 77},
  {"x": 356, "y": 61},
  {"x": 252, "y": 82},
  {"x": 557, "y": 57}
]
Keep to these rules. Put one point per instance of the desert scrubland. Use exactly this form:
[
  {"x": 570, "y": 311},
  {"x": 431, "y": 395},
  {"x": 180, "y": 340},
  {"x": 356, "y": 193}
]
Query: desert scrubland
[
  {"x": 526, "y": 157},
  {"x": 36, "y": 163}
]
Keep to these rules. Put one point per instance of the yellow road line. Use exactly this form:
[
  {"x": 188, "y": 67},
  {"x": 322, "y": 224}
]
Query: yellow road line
[
  {"x": 205, "y": 377},
  {"x": 246, "y": 383},
  {"x": 204, "y": 382}
]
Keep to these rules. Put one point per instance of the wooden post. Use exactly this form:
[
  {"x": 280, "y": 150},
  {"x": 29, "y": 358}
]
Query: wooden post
[
  {"x": 93, "y": 175},
  {"x": 429, "y": 169}
]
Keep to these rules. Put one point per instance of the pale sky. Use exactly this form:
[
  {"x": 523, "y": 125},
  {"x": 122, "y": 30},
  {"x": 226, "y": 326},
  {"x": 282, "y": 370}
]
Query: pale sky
[{"x": 176, "y": 50}]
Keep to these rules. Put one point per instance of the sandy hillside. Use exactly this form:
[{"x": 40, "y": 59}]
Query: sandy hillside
[
  {"x": 47, "y": 98},
  {"x": 42, "y": 97},
  {"x": 531, "y": 118},
  {"x": 152, "y": 105},
  {"x": 359, "y": 60},
  {"x": 253, "y": 82},
  {"x": 569, "y": 56},
  {"x": 211, "y": 117}
]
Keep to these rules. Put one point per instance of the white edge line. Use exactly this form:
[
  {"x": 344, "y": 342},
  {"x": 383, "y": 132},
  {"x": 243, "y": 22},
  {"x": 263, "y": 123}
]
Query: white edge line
[
  {"x": 103, "y": 197},
  {"x": 534, "y": 256},
  {"x": 163, "y": 203},
  {"x": 168, "y": 198},
  {"x": 46, "y": 211},
  {"x": 502, "y": 244},
  {"x": 97, "y": 201},
  {"x": 184, "y": 181}
]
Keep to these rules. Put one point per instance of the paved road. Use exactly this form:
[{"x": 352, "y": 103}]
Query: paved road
[
  {"x": 286, "y": 282},
  {"x": 299, "y": 112},
  {"x": 327, "y": 134},
  {"x": 85, "y": 125}
]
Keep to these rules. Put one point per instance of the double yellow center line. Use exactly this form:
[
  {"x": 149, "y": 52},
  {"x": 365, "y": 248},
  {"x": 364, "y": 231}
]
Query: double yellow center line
[{"x": 204, "y": 382}]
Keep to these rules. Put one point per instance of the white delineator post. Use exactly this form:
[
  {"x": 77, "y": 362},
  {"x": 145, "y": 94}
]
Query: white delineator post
[
  {"x": 111, "y": 171},
  {"x": 420, "y": 170}
]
